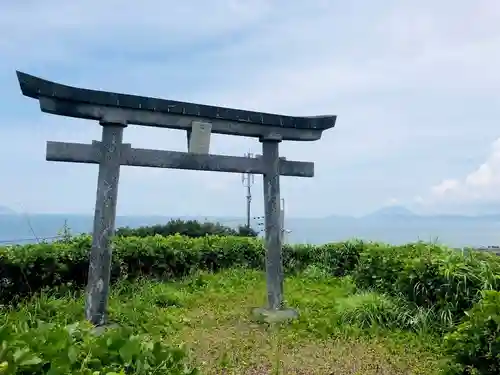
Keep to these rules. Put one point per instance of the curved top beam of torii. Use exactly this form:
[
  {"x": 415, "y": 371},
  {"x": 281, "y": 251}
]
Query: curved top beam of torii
[{"x": 77, "y": 102}]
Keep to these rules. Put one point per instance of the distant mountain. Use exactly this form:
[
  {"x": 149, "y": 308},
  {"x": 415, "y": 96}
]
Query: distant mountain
[
  {"x": 392, "y": 211},
  {"x": 4, "y": 210}
]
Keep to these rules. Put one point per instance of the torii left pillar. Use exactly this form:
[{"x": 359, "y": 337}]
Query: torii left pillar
[{"x": 111, "y": 146}]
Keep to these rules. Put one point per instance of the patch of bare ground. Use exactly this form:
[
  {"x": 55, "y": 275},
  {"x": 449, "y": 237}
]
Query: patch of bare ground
[{"x": 251, "y": 349}]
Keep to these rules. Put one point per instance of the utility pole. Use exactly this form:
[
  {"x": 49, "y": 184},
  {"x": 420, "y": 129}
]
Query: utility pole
[
  {"x": 284, "y": 231},
  {"x": 248, "y": 180},
  {"x": 282, "y": 221}
]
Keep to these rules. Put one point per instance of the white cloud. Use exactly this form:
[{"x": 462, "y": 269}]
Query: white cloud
[{"x": 478, "y": 188}]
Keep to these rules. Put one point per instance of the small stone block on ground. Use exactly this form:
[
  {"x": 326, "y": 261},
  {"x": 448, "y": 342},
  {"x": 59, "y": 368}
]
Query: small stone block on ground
[
  {"x": 274, "y": 316},
  {"x": 99, "y": 330}
]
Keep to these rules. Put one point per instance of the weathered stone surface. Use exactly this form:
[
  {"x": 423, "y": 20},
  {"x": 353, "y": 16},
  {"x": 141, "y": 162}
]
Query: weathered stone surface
[
  {"x": 99, "y": 330},
  {"x": 96, "y": 301},
  {"x": 199, "y": 138},
  {"x": 272, "y": 213},
  {"x": 37, "y": 88},
  {"x": 172, "y": 121},
  {"x": 91, "y": 154},
  {"x": 274, "y": 316}
]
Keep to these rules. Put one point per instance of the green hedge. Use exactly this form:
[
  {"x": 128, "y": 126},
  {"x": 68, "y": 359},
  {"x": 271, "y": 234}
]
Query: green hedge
[
  {"x": 24, "y": 270},
  {"x": 430, "y": 276}
]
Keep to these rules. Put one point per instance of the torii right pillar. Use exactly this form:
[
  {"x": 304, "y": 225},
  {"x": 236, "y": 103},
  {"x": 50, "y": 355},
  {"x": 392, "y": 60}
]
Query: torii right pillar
[{"x": 275, "y": 310}]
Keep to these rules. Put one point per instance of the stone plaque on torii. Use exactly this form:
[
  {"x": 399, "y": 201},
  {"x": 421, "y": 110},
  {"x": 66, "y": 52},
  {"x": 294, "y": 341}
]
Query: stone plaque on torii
[{"x": 116, "y": 111}]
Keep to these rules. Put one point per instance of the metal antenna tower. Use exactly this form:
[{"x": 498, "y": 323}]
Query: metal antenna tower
[
  {"x": 284, "y": 231},
  {"x": 248, "y": 179}
]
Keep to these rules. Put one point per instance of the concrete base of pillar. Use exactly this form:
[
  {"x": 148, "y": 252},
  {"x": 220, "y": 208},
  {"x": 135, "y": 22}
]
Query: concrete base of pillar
[
  {"x": 266, "y": 315},
  {"x": 99, "y": 330}
]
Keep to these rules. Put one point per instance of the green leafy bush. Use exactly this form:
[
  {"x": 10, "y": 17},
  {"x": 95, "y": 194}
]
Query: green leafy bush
[
  {"x": 342, "y": 258},
  {"x": 25, "y": 270},
  {"x": 189, "y": 228},
  {"x": 53, "y": 349},
  {"x": 475, "y": 343},
  {"x": 339, "y": 259},
  {"x": 430, "y": 276}
]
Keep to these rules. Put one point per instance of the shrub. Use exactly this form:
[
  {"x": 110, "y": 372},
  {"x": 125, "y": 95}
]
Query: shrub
[
  {"x": 338, "y": 259},
  {"x": 430, "y": 276},
  {"x": 24, "y": 270},
  {"x": 48, "y": 348},
  {"x": 475, "y": 343},
  {"x": 189, "y": 228},
  {"x": 342, "y": 258},
  {"x": 380, "y": 265}
]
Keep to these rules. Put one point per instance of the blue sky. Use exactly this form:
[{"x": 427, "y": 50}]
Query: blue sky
[{"x": 415, "y": 86}]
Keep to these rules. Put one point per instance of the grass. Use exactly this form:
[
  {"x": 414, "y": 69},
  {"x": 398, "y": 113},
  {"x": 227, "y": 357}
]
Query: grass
[{"x": 340, "y": 330}]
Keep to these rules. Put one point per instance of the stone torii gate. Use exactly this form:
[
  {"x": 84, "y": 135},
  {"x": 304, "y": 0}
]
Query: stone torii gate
[{"x": 116, "y": 111}]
